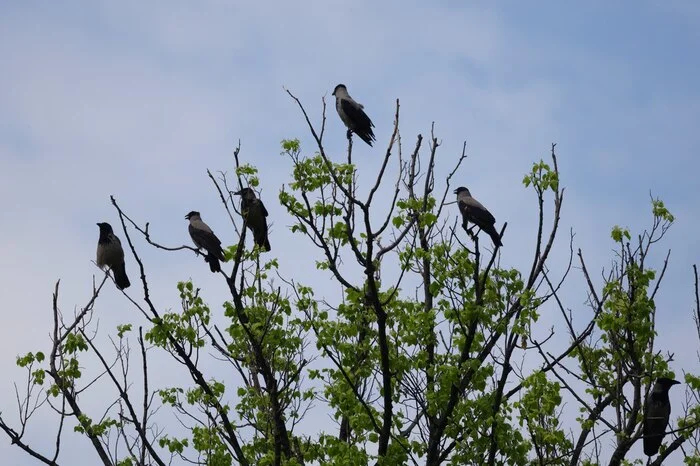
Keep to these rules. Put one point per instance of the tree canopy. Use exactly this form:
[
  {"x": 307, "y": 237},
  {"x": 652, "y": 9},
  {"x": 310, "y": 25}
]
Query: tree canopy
[{"x": 427, "y": 351}]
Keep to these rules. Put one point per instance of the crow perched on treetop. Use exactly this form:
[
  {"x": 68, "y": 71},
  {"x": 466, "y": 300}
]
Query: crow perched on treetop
[
  {"x": 353, "y": 115},
  {"x": 473, "y": 211},
  {"x": 656, "y": 413},
  {"x": 110, "y": 254},
  {"x": 255, "y": 215},
  {"x": 204, "y": 238}
]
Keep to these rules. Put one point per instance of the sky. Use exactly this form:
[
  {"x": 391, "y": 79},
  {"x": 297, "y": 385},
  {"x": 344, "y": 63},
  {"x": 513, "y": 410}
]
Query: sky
[{"x": 138, "y": 99}]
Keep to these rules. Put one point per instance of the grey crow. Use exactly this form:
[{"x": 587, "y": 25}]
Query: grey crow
[
  {"x": 254, "y": 213},
  {"x": 110, "y": 254},
  {"x": 353, "y": 115},
  {"x": 473, "y": 211},
  {"x": 204, "y": 238},
  {"x": 656, "y": 413}
]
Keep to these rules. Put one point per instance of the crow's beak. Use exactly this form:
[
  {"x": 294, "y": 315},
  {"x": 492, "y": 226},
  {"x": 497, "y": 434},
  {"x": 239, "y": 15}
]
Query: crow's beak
[
  {"x": 237, "y": 193},
  {"x": 455, "y": 191}
]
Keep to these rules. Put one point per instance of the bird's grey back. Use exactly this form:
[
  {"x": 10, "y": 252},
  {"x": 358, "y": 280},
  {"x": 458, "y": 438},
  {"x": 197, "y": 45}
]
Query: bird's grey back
[
  {"x": 198, "y": 223},
  {"x": 466, "y": 198}
]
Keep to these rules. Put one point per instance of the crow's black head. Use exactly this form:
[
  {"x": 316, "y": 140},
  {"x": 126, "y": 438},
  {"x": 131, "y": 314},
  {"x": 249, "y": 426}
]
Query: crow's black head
[
  {"x": 461, "y": 189},
  {"x": 105, "y": 227},
  {"x": 339, "y": 86},
  {"x": 192, "y": 214},
  {"x": 246, "y": 193},
  {"x": 666, "y": 383}
]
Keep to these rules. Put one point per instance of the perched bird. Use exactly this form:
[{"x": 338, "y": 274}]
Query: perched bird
[
  {"x": 473, "y": 211},
  {"x": 204, "y": 238},
  {"x": 353, "y": 115},
  {"x": 656, "y": 413},
  {"x": 110, "y": 254},
  {"x": 254, "y": 213}
]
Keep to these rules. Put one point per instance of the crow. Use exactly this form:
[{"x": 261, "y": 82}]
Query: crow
[
  {"x": 110, "y": 254},
  {"x": 473, "y": 211},
  {"x": 353, "y": 115},
  {"x": 656, "y": 413},
  {"x": 255, "y": 215},
  {"x": 204, "y": 238}
]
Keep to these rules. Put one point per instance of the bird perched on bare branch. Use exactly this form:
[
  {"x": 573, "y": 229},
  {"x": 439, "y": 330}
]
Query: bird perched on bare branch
[
  {"x": 204, "y": 238},
  {"x": 255, "y": 216},
  {"x": 656, "y": 414},
  {"x": 110, "y": 254},
  {"x": 353, "y": 115},
  {"x": 473, "y": 211}
]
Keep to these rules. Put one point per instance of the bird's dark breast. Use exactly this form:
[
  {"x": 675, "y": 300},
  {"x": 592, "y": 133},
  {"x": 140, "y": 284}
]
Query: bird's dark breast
[
  {"x": 110, "y": 254},
  {"x": 195, "y": 235}
]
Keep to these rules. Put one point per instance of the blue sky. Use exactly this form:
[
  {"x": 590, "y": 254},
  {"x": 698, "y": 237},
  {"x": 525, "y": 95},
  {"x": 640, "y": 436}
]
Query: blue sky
[{"x": 137, "y": 99}]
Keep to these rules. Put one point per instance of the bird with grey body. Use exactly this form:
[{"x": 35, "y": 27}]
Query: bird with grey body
[
  {"x": 473, "y": 211},
  {"x": 353, "y": 115},
  {"x": 255, "y": 216},
  {"x": 204, "y": 238},
  {"x": 657, "y": 411},
  {"x": 110, "y": 254}
]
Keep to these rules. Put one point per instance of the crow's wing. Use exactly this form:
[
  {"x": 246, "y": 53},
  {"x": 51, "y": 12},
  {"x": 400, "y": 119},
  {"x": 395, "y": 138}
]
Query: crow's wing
[
  {"x": 357, "y": 120},
  {"x": 358, "y": 116},
  {"x": 476, "y": 212},
  {"x": 262, "y": 207},
  {"x": 207, "y": 240}
]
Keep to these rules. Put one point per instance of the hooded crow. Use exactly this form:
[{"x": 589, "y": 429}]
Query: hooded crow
[
  {"x": 110, "y": 254},
  {"x": 353, "y": 115},
  {"x": 656, "y": 413},
  {"x": 204, "y": 238},
  {"x": 473, "y": 211},
  {"x": 254, "y": 214}
]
